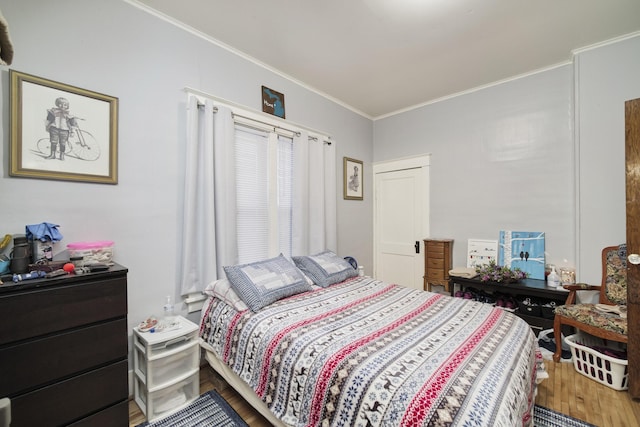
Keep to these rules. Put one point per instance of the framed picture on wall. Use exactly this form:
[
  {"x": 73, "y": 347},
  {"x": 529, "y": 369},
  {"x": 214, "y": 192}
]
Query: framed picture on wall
[
  {"x": 353, "y": 179},
  {"x": 273, "y": 102},
  {"x": 62, "y": 132}
]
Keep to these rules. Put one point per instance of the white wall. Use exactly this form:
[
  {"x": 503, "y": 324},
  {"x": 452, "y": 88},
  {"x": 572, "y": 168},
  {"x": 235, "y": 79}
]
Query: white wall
[
  {"x": 505, "y": 157},
  {"x": 606, "y": 77},
  {"x": 501, "y": 160},
  {"x": 117, "y": 49}
]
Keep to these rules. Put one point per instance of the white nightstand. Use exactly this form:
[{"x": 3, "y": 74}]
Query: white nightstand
[{"x": 167, "y": 368}]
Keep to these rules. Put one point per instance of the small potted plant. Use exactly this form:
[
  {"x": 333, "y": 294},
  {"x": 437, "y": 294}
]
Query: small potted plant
[{"x": 499, "y": 274}]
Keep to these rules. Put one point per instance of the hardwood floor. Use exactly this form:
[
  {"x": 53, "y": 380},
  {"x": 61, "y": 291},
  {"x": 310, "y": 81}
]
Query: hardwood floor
[
  {"x": 564, "y": 391},
  {"x": 574, "y": 394}
]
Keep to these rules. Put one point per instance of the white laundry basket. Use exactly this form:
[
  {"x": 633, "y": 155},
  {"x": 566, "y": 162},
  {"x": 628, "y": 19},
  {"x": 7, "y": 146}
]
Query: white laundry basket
[{"x": 607, "y": 370}]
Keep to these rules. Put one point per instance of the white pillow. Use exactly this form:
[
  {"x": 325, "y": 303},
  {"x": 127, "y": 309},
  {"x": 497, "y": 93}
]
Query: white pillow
[{"x": 222, "y": 290}]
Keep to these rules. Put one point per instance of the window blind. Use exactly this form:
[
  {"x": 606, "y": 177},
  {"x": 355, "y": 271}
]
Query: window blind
[{"x": 264, "y": 183}]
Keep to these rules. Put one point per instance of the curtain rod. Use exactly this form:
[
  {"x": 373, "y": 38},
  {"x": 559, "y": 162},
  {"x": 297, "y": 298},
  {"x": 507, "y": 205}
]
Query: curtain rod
[
  {"x": 295, "y": 132},
  {"x": 199, "y": 95}
]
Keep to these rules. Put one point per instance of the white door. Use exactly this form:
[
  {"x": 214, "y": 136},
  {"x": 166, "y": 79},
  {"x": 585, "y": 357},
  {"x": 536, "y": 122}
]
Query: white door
[{"x": 401, "y": 221}]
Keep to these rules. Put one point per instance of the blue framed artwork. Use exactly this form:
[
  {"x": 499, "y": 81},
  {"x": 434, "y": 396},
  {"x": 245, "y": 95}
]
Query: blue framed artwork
[
  {"x": 272, "y": 102},
  {"x": 523, "y": 250}
]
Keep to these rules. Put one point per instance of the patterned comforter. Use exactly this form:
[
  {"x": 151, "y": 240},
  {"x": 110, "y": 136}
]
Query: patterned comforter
[{"x": 366, "y": 353}]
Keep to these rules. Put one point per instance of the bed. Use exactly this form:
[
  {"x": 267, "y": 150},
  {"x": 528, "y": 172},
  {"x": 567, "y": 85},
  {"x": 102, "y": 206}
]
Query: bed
[{"x": 361, "y": 352}]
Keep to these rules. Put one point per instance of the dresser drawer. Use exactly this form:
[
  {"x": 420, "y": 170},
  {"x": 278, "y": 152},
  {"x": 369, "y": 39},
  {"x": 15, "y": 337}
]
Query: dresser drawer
[
  {"x": 161, "y": 402},
  {"x": 435, "y": 248},
  {"x": 161, "y": 370},
  {"x": 112, "y": 416},
  {"x": 436, "y": 275},
  {"x": 28, "y": 365},
  {"x": 435, "y": 263},
  {"x": 48, "y": 310},
  {"x": 73, "y": 399}
]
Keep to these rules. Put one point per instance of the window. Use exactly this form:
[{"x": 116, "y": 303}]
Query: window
[
  {"x": 264, "y": 191},
  {"x": 254, "y": 187}
]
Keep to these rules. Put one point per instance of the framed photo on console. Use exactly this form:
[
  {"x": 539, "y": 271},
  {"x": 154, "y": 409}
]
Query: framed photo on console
[
  {"x": 62, "y": 132},
  {"x": 353, "y": 179}
]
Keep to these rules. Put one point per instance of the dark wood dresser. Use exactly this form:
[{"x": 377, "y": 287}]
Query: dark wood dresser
[
  {"x": 536, "y": 290},
  {"x": 64, "y": 350}
]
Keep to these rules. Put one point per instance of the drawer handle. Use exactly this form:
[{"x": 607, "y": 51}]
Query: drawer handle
[{"x": 175, "y": 342}]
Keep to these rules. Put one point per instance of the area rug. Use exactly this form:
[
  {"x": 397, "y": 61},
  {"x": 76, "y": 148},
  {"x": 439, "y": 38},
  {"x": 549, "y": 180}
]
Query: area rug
[
  {"x": 210, "y": 409},
  {"x": 545, "y": 417}
]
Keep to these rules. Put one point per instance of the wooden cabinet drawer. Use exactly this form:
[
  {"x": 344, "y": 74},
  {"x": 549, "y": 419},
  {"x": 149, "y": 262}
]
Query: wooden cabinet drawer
[
  {"x": 435, "y": 263},
  {"x": 434, "y": 248},
  {"x": 51, "y": 309},
  {"x": 32, "y": 364},
  {"x": 71, "y": 400},
  {"x": 436, "y": 275},
  {"x": 112, "y": 416}
]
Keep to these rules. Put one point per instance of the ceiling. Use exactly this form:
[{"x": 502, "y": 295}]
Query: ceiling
[{"x": 378, "y": 57}]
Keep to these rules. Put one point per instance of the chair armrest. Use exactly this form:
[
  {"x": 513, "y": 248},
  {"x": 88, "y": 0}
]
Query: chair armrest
[
  {"x": 571, "y": 298},
  {"x": 582, "y": 287}
]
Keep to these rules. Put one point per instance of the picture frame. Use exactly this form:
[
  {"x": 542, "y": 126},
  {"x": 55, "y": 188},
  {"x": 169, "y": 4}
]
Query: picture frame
[
  {"x": 353, "y": 179},
  {"x": 481, "y": 252},
  {"x": 61, "y": 132},
  {"x": 273, "y": 102},
  {"x": 523, "y": 250}
]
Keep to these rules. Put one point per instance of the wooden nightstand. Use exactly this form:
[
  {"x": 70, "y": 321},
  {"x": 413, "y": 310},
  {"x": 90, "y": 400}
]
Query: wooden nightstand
[{"x": 438, "y": 258}]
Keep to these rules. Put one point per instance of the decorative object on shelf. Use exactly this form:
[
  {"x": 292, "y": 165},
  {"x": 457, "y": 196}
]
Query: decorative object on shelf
[
  {"x": 480, "y": 252},
  {"x": 524, "y": 250},
  {"x": 492, "y": 272},
  {"x": 353, "y": 179},
  {"x": 553, "y": 279},
  {"x": 62, "y": 132},
  {"x": 567, "y": 276},
  {"x": 42, "y": 238}
]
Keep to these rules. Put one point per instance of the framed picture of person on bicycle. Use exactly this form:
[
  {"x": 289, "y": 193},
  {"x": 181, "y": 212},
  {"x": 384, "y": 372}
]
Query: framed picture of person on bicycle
[{"x": 62, "y": 132}]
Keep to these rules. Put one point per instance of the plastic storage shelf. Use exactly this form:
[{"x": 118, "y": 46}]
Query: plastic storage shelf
[
  {"x": 167, "y": 368},
  {"x": 164, "y": 401}
]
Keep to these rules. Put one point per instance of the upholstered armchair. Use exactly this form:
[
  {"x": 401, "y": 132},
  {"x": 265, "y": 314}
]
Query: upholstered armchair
[{"x": 607, "y": 319}]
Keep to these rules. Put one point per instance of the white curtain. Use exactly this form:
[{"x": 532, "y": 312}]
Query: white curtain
[
  {"x": 209, "y": 239},
  {"x": 209, "y": 196},
  {"x": 314, "y": 215}
]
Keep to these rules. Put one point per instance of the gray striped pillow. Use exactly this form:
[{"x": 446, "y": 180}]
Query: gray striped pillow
[
  {"x": 325, "y": 268},
  {"x": 261, "y": 283}
]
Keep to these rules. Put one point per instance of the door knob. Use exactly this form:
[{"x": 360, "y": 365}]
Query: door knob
[
  {"x": 417, "y": 246},
  {"x": 634, "y": 259}
]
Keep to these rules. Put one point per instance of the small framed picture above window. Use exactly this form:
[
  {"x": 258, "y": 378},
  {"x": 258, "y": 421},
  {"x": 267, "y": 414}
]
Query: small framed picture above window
[
  {"x": 273, "y": 102},
  {"x": 353, "y": 179}
]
